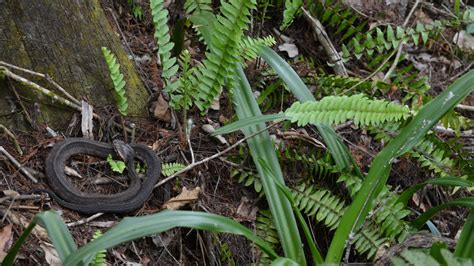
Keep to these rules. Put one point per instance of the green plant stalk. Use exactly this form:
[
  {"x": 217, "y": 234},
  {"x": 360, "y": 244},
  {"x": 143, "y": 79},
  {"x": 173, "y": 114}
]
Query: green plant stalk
[
  {"x": 378, "y": 174},
  {"x": 316, "y": 255},
  {"x": 465, "y": 246},
  {"x": 261, "y": 147}
]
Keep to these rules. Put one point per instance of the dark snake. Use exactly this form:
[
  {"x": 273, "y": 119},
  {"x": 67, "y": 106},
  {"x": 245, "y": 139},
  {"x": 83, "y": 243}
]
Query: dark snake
[{"x": 67, "y": 195}]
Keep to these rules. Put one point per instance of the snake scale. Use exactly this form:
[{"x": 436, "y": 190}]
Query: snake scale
[{"x": 67, "y": 195}]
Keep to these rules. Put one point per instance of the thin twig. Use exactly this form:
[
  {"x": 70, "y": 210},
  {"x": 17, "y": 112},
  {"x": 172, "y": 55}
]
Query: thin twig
[
  {"x": 400, "y": 46},
  {"x": 191, "y": 166},
  {"x": 465, "y": 107},
  {"x": 46, "y": 77},
  {"x": 85, "y": 220},
  {"x": 18, "y": 165},
  {"x": 323, "y": 38},
  {"x": 12, "y": 136}
]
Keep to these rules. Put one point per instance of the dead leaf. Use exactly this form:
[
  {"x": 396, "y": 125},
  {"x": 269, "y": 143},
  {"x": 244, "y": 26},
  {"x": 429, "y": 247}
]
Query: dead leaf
[
  {"x": 246, "y": 211},
  {"x": 186, "y": 196},
  {"x": 50, "y": 255},
  {"x": 5, "y": 240},
  {"x": 290, "y": 48},
  {"x": 161, "y": 110}
]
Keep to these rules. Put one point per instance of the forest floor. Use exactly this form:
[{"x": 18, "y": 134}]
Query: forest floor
[{"x": 219, "y": 191}]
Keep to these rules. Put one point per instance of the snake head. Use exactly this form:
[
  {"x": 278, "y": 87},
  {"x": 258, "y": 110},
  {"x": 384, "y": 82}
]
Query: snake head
[{"x": 123, "y": 150}]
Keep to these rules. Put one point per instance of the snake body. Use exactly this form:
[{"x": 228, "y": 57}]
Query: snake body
[{"x": 67, "y": 195}]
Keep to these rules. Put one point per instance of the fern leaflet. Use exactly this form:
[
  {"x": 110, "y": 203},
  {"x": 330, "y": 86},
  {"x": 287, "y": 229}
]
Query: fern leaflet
[
  {"x": 167, "y": 169},
  {"x": 117, "y": 80},
  {"x": 339, "y": 109}
]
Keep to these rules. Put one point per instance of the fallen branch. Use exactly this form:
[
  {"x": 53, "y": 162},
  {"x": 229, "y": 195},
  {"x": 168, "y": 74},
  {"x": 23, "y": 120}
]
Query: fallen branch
[
  {"x": 12, "y": 136},
  {"x": 18, "y": 165},
  {"x": 323, "y": 38}
]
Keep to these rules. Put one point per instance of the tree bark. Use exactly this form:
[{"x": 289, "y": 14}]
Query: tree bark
[{"x": 62, "y": 39}]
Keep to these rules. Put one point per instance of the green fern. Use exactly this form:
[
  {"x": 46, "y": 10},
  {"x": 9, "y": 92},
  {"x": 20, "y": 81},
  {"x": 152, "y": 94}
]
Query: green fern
[
  {"x": 181, "y": 96},
  {"x": 227, "y": 32},
  {"x": 165, "y": 46},
  {"x": 368, "y": 241},
  {"x": 428, "y": 153},
  {"x": 99, "y": 258},
  {"x": 328, "y": 209},
  {"x": 321, "y": 204},
  {"x": 250, "y": 47},
  {"x": 337, "y": 18},
  {"x": 248, "y": 178},
  {"x": 117, "y": 80},
  {"x": 382, "y": 39},
  {"x": 334, "y": 85},
  {"x": 339, "y": 109},
  {"x": 167, "y": 169},
  {"x": 266, "y": 230},
  {"x": 292, "y": 7},
  {"x": 197, "y": 6}
]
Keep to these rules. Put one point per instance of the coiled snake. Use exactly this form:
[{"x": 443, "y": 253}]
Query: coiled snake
[{"x": 67, "y": 195}]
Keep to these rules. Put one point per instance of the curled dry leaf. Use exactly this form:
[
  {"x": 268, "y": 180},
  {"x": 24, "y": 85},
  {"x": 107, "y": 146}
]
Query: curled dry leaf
[
  {"x": 185, "y": 197},
  {"x": 290, "y": 48},
  {"x": 5, "y": 240},
  {"x": 162, "y": 110}
]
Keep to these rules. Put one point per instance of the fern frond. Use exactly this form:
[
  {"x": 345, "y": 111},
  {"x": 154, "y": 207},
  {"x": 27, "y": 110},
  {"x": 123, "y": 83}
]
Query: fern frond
[
  {"x": 180, "y": 92},
  {"x": 339, "y": 109},
  {"x": 337, "y": 18},
  {"x": 381, "y": 40},
  {"x": 167, "y": 169},
  {"x": 368, "y": 241},
  {"x": 197, "y": 6},
  {"x": 227, "y": 31},
  {"x": 321, "y": 204},
  {"x": 248, "y": 178},
  {"x": 266, "y": 230},
  {"x": 117, "y": 80},
  {"x": 432, "y": 157},
  {"x": 291, "y": 9},
  {"x": 388, "y": 216},
  {"x": 99, "y": 258},
  {"x": 162, "y": 38},
  {"x": 250, "y": 47}
]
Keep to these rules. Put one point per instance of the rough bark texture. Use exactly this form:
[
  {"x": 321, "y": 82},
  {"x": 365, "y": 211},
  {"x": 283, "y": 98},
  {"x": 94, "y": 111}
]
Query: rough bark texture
[{"x": 62, "y": 39}]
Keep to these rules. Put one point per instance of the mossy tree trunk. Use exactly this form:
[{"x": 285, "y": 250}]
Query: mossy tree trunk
[{"x": 62, "y": 39}]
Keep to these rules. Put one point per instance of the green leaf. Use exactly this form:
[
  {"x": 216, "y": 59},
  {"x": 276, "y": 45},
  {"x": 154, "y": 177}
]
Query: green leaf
[
  {"x": 131, "y": 228},
  {"x": 423, "y": 218},
  {"x": 451, "y": 181},
  {"x": 58, "y": 233},
  {"x": 261, "y": 147},
  {"x": 250, "y": 121},
  {"x": 116, "y": 165},
  {"x": 284, "y": 262},
  {"x": 426, "y": 118},
  {"x": 465, "y": 245}
]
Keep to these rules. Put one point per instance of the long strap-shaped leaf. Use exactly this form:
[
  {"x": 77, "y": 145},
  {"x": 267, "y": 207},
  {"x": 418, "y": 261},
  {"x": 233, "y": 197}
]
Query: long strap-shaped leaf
[
  {"x": 261, "y": 147},
  {"x": 131, "y": 228},
  {"x": 57, "y": 232},
  {"x": 423, "y": 218},
  {"x": 465, "y": 245},
  {"x": 378, "y": 174}
]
